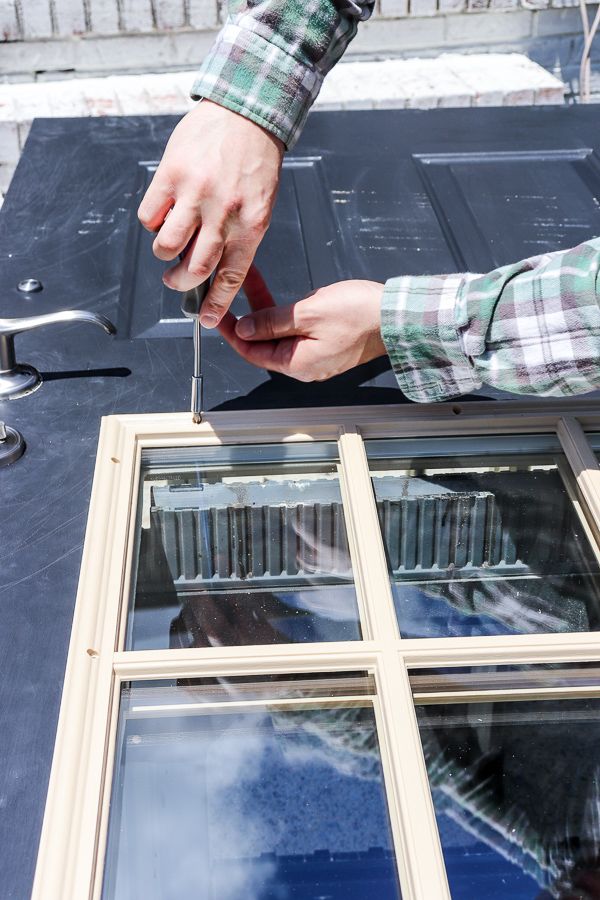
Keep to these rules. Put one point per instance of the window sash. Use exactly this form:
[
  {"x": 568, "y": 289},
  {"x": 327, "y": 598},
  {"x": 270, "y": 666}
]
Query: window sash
[{"x": 70, "y": 860}]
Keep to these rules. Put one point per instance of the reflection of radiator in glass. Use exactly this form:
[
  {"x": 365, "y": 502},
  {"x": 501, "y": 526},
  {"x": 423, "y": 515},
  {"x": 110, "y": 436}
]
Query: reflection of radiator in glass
[{"x": 287, "y": 531}]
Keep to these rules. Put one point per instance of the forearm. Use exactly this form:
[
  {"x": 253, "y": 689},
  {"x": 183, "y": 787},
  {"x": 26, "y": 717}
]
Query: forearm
[
  {"x": 528, "y": 328},
  {"x": 269, "y": 60}
]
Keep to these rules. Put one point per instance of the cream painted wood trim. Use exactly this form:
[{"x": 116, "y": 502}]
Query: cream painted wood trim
[
  {"x": 426, "y": 873},
  {"x": 88, "y": 678},
  {"x": 371, "y": 567},
  {"x": 582, "y": 460},
  {"x": 74, "y": 829}
]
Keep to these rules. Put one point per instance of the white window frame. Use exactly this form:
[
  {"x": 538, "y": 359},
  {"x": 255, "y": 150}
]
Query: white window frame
[{"x": 72, "y": 846}]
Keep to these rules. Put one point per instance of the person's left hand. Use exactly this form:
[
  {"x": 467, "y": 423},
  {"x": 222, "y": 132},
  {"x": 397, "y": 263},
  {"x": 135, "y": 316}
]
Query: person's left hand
[{"x": 330, "y": 331}]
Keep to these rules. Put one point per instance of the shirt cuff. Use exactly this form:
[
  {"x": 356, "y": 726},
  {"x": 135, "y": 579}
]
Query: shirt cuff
[
  {"x": 420, "y": 318},
  {"x": 257, "y": 79}
]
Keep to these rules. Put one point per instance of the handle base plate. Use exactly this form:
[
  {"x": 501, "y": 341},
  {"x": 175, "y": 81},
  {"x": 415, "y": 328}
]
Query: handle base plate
[{"x": 20, "y": 381}]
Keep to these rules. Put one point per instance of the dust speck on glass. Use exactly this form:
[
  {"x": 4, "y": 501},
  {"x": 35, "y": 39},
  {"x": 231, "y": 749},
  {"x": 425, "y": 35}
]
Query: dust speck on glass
[
  {"x": 241, "y": 545},
  {"x": 482, "y": 537}
]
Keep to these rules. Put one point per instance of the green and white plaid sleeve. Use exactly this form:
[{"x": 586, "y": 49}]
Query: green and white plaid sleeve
[
  {"x": 269, "y": 60},
  {"x": 528, "y": 328}
]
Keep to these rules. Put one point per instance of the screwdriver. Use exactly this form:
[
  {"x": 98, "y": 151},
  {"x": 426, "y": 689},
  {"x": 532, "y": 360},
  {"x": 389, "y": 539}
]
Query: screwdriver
[{"x": 191, "y": 303}]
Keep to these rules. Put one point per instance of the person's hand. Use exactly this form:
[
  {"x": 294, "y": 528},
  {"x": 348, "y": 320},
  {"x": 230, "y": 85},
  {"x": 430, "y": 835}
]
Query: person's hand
[
  {"x": 214, "y": 190},
  {"x": 330, "y": 331}
]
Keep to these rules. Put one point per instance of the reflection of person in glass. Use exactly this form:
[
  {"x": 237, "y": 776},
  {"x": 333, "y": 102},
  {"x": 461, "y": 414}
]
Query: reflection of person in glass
[
  {"x": 320, "y": 597},
  {"x": 524, "y": 779}
]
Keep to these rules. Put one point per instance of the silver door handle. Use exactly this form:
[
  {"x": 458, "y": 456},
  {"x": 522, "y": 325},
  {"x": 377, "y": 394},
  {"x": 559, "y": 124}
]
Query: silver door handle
[{"x": 16, "y": 379}]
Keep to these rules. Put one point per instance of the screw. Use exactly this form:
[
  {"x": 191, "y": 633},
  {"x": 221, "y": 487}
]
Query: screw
[{"x": 30, "y": 286}]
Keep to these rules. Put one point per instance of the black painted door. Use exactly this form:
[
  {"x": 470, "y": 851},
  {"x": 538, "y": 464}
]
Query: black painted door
[{"x": 363, "y": 195}]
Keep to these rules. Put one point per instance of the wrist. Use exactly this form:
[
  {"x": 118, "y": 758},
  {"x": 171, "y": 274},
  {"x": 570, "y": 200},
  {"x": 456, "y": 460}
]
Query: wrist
[{"x": 374, "y": 345}]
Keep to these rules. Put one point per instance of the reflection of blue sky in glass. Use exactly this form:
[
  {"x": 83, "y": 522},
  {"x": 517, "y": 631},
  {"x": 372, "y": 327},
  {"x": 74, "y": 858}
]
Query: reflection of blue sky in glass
[
  {"x": 251, "y": 806},
  {"x": 477, "y": 870},
  {"x": 516, "y": 789}
]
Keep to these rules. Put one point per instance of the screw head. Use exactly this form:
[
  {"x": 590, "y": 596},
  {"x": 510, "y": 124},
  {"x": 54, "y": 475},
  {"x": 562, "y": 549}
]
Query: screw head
[{"x": 30, "y": 286}]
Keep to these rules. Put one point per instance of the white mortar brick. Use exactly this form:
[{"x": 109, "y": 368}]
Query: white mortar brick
[
  {"x": 136, "y": 15},
  {"x": 451, "y": 6},
  {"x": 504, "y": 79},
  {"x": 70, "y": 17},
  {"x": 30, "y": 100},
  {"x": 203, "y": 13},
  {"x": 169, "y": 14},
  {"x": 36, "y": 19},
  {"x": 489, "y": 27},
  {"x": 9, "y": 27},
  {"x": 96, "y": 56},
  {"x": 10, "y": 149},
  {"x": 99, "y": 97},
  {"x": 385, "y": 35},
  {"x": 423, "y": 7},
  {"x": 131, "y": 95},
  {"x": 24, "y": 128},
  {"x": 65, "y": 98},
  {"x": 8, "y": 110},
  {"x": 394, "y": 8},
  {"x": 165, "y": 95},
  {"x": 104, "y": 16},
  {"x": 6, "y": 174}
]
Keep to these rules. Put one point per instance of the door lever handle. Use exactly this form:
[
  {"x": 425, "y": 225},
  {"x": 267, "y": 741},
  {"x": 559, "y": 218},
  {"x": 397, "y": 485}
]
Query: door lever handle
[{"x": 17, "y": 380}]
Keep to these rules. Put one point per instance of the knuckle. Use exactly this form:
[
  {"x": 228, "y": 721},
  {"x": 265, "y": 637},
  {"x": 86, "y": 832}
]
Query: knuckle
[
  {"x": 261, "y": 223},
  {"x": 229, "y": 279},
  {"x": 200, "y": 269},
  {"x": 233, "y": 205}
]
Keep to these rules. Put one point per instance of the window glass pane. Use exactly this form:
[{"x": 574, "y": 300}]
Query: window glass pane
[
  {"x": 516, "y": 791},
  {"x": 248, "y": 802},
  {"x": 482, "y": 538},
  {"x": 241, "y": 545}
]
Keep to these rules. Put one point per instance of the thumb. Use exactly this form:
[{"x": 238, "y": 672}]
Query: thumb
[{"x": 268, "y": 324}]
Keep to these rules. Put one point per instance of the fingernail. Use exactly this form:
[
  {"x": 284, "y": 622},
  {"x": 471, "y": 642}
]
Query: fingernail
[
  {"x": 208, "y": 320},
  {"x": 245, "y": 328}
]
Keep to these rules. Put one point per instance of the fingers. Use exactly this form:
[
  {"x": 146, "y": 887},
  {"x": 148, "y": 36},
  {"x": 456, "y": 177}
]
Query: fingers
[
  {"x": 176, "y": 232},
  {"x": 276, "y": 356},
  {"x": 157, "y": 201},
  {"x": 200, "y": 260},
  {"x": 229, "y": 277},
  {"x": 271, "y": 323},
  {"x": 255, "y": 288}
]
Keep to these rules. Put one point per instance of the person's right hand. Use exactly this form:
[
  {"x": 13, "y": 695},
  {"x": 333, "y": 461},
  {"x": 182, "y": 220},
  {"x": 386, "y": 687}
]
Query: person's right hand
[{"x": 217, "y": 180}]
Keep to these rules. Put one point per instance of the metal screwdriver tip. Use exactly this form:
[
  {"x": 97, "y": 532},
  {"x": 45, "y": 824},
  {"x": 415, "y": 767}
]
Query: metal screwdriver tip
[{"x": 197, "y": 418}]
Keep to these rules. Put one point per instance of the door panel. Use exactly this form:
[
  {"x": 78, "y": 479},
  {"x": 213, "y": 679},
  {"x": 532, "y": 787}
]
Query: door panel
[{"x": 360, "y": 180}]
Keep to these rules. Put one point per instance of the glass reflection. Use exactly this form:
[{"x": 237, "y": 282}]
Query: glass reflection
[
  {"x": 254, "y": 803},
  {"x": 484, "y": 544},
  {"x": 247, "y": 546},
  {"x": 516, "y": 790}
]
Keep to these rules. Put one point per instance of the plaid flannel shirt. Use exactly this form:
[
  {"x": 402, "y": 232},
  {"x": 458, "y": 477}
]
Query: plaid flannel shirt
[
  {"x": 269, "y": 60},
  {"x": 529, "y": 328}
]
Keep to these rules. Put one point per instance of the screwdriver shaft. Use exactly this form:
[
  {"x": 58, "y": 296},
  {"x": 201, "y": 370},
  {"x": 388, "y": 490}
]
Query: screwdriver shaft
[{"x": 197, "y": 380}]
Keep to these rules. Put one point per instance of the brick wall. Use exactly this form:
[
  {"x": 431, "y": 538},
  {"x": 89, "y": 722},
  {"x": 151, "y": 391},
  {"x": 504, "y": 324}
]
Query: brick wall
[{"x": 44, "y": 38}]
